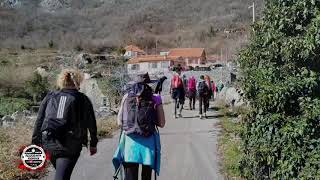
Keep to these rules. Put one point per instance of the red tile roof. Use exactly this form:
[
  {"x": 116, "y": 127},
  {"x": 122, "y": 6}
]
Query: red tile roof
[
  {"x": 187, "y": 52},
  {"x": 133, "y": 48}
]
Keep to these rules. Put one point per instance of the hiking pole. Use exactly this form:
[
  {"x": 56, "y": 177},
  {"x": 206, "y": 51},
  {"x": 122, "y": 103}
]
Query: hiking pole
[{"x": 115, "y": 176}]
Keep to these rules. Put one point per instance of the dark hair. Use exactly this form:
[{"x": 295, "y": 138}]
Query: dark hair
[{"x": 145, "y": 78}]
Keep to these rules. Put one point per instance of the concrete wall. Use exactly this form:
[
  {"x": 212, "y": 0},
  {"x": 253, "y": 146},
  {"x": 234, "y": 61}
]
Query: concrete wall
[{"x": 151, "y": 68}]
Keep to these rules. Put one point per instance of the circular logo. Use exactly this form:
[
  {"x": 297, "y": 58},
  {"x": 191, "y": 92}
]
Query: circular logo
[{"x": 33, "y": 157}]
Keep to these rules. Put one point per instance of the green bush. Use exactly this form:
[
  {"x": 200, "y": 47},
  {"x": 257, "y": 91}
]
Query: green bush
[
  {"x": 50, "y": 44},
  {"x": 281, "y": 78},
  {"x": 10, "y": 105},
  {"x": 37, "y": 87}
]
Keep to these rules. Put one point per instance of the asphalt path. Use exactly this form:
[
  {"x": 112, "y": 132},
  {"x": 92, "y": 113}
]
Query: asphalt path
[{"x": 189, "y": 151}]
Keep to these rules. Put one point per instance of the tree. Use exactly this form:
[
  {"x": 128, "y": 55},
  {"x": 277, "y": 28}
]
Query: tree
[
  {"x": 281, "y": 78},
  {"x": 50, "y": 44},
  {"x": 121, "y": 51},
  {"x": 37, "y": 86},
  {"x": 113, "y": 86}
]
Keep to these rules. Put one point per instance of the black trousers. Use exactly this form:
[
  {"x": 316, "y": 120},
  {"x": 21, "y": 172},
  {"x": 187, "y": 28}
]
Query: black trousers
[
  {"x": 203, "y": 100},
  {"x": 178, "y": 95},
  {"x": 64, "y": 167},
  {"x": 131, "y": 172},
  {"x": 192, "y": 102},
  {"x": 63, "y": 156}
]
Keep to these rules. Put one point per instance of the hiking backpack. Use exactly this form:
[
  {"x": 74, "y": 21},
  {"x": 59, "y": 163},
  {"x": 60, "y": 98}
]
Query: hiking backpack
[
  {"x": 139, "y": 113},
  {"x": 192, "y": 84},
  {"x": 58, "y": 114},
  {"x": 203, "y": 88},
  {"x": 176, "y": 82}
]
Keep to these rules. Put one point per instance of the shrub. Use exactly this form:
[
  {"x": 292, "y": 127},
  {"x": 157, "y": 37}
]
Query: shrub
[
  {"x": 281, "y": 78},
  {"x": 106, "y": 127},
  {"x": 121, "y": 51},
  {"x": 10, "y": 105},
  {"x": 50, "y": 44},
  {"x": 112, "y": 86},
  {"x": 78, "y": 47},
  {"x": 37, "y": 87},
  {"x": 11, "y": 140}
]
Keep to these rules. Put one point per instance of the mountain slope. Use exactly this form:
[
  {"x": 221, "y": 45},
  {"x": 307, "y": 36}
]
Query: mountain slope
[{"x": 74, "y": 23}]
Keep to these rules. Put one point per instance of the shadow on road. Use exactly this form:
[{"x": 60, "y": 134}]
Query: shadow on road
[
  {"x": 215, "y": 116},
  {"x": 197, "y": 117}
]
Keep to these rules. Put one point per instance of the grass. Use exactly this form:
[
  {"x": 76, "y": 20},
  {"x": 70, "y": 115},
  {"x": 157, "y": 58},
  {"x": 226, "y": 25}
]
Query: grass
[
  {"x": 12, "y": 139},
  {"x": 229, "y": 144},
  {"x": 106, "y": 127}
]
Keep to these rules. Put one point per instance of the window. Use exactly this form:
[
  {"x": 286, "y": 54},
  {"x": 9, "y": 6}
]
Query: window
[
  {"x": 154, "y": 65},
  {"x": 104, "y": 101},
  {"x": 135, "y": 67},
  {"x": 165, "y": 64}
]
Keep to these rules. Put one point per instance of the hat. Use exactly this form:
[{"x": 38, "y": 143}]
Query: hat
[
  {"x": 142, "y": 78},
  {"x": 136, "y": 89}
]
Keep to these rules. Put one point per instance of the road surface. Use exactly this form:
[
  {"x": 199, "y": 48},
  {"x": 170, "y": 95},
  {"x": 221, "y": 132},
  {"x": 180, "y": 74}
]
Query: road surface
[{"x": 189, "y": 151}]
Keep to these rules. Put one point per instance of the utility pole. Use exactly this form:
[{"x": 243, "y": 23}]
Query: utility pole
[
  {"x": 253, "y": 12},
  {"x": 156, "y": 46}
]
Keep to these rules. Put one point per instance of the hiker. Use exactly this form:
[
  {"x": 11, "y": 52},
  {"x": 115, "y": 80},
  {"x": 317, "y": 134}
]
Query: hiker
[
  {"x": 192, "y": 91},
  {"x": 203, "y": 94},
  {"x": 158, "y": 89},
  {"x": 63, "y": 120},
  {"x": 220, "y": 86},
  {"x": 177, "y": 91},
  {"x": 140, "y": 114},
  {"x": 185, "y": 86},
  {"x": 210, "y": 92},
  {"x": 214, "y": 90}
]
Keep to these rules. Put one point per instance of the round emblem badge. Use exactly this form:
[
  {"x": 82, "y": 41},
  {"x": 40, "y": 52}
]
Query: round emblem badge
[{"x": 33, "y": 157}]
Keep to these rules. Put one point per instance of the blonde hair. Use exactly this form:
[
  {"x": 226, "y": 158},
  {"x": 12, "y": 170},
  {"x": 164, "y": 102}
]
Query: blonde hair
[
  {"x": 207, "y": 78},
  {"x": 70, "y": 79}
]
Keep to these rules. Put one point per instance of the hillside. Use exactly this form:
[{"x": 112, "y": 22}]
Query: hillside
[{"x": 79, "y": 23}]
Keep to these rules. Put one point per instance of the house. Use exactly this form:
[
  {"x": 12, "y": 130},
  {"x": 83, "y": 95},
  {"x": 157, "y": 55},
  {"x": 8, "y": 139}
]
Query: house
[
  {"x": 153, "y": 64},
  {"x": 214, "y": 59},
  {"x": 192, "y": 56},
  {"x": 133, "y": 51}
]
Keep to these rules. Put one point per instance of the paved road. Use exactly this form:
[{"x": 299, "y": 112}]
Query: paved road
[{"x": 189, "y": 151}]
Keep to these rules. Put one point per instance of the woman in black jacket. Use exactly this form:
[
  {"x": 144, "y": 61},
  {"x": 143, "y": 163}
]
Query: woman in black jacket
[{"x": 63, "y": 120}]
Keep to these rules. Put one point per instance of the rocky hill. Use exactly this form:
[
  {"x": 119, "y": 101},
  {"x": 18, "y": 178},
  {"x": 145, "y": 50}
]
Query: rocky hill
[{"x": 81, "y": 23}]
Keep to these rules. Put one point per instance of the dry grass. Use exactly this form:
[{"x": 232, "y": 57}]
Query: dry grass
[
  {"x": 106, "y": 127},
  {"x": 11, "y": 140}
]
